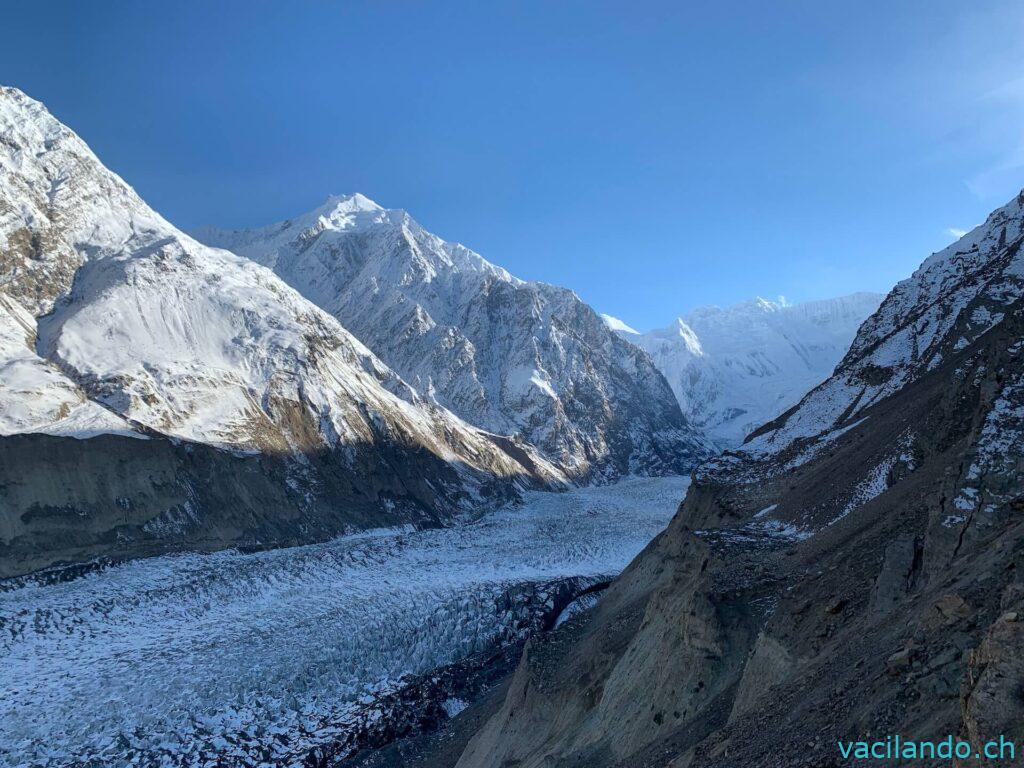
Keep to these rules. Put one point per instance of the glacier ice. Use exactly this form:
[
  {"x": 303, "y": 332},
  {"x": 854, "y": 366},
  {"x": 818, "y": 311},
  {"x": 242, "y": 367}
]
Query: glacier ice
[{"x": 179, "y": 657}]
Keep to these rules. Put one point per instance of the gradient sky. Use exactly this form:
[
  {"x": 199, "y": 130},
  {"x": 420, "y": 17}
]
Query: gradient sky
[{"x": 652, "y": 156}]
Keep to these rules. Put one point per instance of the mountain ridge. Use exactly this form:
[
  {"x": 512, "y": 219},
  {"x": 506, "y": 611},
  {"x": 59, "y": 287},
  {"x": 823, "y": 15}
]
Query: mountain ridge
[
  {"x": 511, "y": 356},
  {"x": 129, "y": 325}
]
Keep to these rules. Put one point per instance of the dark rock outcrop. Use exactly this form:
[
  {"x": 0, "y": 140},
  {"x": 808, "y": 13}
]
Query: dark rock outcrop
[{"x": 65, "y": 500}]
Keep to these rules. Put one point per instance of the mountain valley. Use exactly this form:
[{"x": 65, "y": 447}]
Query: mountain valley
[{"x": 339, "y": 493}]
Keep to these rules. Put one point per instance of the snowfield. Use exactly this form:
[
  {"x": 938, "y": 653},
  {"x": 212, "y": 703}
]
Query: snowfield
[{"x": 261, "y": 656}]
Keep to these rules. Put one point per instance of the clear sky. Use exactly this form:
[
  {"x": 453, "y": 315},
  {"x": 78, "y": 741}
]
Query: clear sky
[{"x": 652, "y": 156}]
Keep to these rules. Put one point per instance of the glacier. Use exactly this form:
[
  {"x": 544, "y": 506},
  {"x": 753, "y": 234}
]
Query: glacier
[{"x": 262, "y": 656}]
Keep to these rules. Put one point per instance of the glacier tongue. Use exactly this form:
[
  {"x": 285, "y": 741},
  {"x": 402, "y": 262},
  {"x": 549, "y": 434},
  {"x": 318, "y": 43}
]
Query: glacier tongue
[{"x": 268, "y": 653}]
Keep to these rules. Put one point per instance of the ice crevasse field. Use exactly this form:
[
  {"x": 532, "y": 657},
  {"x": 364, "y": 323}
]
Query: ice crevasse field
[{"x": 157, "y": 661}]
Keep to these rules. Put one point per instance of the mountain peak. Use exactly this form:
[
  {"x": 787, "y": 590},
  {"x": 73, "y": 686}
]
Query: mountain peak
[
  {"x": 504, "y": 354},
  {"x": 767, "y": 305},
  {"x": 346, "y": 212},
  {"x": 51, "y": 224},
  {"x": 348, "y": 205},
  {"x": 618, "y": 325}
]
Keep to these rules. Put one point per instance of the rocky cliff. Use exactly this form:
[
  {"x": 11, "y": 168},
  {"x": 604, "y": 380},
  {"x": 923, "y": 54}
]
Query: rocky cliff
[{"x": 853, "y": 572}]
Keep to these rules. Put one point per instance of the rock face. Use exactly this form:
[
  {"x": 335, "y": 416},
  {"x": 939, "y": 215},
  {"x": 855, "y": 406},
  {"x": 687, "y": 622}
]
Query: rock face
[
  {"x": 114, "y": 322},
  {"x": 71, "y": 500},
  {"x": 852, "y": 572},
  {"x": 512, "y": 357},
  {"x": 734, "y": 369}
]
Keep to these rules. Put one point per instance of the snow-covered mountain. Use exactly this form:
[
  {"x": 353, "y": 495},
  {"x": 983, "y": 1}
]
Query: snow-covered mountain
[
  {"x": 955, "y": 297},
  {"x": 113, "y": 321},
  {"x": 513, "y": 357},
  {"x": 736, "y": 368}
]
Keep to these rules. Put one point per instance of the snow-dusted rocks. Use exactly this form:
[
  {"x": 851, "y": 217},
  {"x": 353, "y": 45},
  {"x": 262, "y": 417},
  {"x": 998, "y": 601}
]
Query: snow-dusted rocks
[
  {"x": 512, "y": 357},
  {"x": 734, "y": 369},
  {"x": 112, "y": 320},
  {"x": 951, "y": 300}
]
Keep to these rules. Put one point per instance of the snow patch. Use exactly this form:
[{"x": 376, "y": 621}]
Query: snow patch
[{"x": 617, "y": 325}]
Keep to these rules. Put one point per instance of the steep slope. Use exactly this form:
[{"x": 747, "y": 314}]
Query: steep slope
[
  {"x": 113, "y": 321},
  {"x": 734, "y": 369},
  {"x": 513, "y": 357},
  {"x": 854, "y": 572},
  {"x": 35, "y": 396}
]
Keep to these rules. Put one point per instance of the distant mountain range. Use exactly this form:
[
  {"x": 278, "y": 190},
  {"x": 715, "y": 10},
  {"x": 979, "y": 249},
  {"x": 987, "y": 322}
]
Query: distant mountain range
[{"x": 736, "y": 368}]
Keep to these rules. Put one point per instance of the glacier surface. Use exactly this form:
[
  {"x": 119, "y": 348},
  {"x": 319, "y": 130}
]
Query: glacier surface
[{"x": 261, "y": 656}]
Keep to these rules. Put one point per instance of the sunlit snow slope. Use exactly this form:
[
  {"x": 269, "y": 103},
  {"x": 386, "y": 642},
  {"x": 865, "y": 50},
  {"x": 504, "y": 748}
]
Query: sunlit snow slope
[{"x": 736, "y": 368}]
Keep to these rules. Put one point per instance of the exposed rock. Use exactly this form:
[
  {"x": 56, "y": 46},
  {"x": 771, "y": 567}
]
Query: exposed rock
[
  {"x": 900, "y": 661},
  {"x": 67, "y": 500},
  {"x": 831, "y": 580},
  {"x": 992, "y": 699},
  {"x": 953, "y": 608}
]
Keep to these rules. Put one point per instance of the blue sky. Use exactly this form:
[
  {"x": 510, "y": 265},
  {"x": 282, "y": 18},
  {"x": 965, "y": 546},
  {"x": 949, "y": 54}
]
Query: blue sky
[{"x": 651, "y": 156}]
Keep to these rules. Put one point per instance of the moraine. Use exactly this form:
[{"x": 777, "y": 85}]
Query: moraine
[{"x": 263, "y": 656}]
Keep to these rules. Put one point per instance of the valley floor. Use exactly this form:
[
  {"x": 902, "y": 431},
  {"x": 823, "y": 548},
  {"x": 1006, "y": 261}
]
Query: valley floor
[{"x": 261, "y": 657}]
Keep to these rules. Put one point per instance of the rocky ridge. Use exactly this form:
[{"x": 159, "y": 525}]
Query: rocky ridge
[{"x": 852, "y": 572}]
